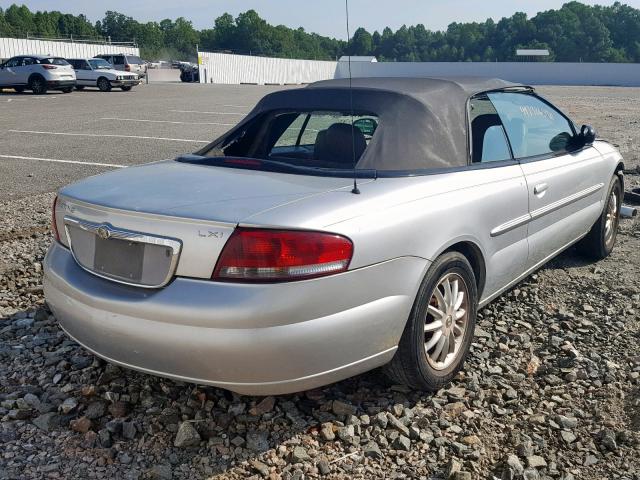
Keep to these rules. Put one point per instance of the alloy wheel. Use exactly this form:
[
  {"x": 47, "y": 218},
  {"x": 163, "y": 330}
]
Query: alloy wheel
[
  {"x": 611, "y": 219},
  {"x": 37, "y": 86},
  {"x": 446, "y": 321}
]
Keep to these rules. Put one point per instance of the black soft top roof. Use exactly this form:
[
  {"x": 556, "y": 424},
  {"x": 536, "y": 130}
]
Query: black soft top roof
[
  {"x": 423, "y": 121},
  {"x": 423, "y": 89}
]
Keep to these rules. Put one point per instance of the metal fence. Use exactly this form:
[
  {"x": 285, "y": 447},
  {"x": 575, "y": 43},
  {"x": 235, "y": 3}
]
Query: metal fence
[
  {"x": 245, "y": 69},
  {"x": 10, "y": 47},
  {"x": 534, "y": 73}
]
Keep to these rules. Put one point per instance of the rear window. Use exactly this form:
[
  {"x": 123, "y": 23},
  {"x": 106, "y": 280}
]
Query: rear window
[
  {"x": 317, "y": 139},
  {"x": 53, "y": 61},
  {"x": 134, "y": 60}
]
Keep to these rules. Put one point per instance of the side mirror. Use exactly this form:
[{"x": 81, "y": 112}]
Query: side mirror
[
  {"x": 587, "y": 135},
  {"x": 564, "y": 142}
]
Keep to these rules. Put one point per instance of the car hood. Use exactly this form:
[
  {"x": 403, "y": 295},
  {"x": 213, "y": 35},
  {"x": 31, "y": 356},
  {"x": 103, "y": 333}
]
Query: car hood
[{"x": 185, "y": 190}]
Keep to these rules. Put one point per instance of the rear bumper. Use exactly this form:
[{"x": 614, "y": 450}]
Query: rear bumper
[
  {"x": 61, "y": 83},
  {"x": 252, "y": 339}
]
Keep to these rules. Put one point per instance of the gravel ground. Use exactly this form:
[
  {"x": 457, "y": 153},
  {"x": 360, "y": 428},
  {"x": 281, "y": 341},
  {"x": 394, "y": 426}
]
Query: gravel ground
[{"x": 551, "y": 389}]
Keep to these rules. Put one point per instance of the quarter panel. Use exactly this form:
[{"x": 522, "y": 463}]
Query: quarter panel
[{"x": 422, "y": 217}]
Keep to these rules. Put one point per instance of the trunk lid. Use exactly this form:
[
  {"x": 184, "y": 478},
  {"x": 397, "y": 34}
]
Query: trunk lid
[
  {"x": 102, "y": 218},
  {"x": 219, "y": 194}
]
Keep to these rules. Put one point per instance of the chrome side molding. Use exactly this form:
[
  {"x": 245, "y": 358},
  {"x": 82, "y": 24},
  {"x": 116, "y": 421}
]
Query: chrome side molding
[
  {"x": 547, "y": 209},
  {"x": 552, "y": 207}
]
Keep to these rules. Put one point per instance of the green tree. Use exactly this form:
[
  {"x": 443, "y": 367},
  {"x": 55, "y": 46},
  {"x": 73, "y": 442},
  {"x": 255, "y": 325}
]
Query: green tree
[
  {"x": 180, "y": 36},
  {"x": 361, "y": 43},
  {"x": 117, "y": 26},
  {"x": 5, "y": 27},
  {"x": 21, "y": 20}
]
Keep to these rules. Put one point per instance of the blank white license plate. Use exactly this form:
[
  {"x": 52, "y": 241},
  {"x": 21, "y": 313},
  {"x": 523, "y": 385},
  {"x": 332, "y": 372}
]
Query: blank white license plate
[{"x": 119, "y": 258}]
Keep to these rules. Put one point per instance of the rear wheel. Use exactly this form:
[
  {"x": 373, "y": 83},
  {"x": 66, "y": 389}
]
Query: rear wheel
[
  {"x": 38, "y": 85},
  {"x": 438, "y": 334},
  {"x": 104, "y": 84},
  {"x": 126, "y": 88},
  {"x": 601, "y": 239}
]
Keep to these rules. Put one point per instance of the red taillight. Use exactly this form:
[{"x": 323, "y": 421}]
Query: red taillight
[
  {"x": 46, "y": 66},
  {"x": 257, "y": 255},
  {"x": 127, "y": 68},
  {"x": 54, "y": 224}
]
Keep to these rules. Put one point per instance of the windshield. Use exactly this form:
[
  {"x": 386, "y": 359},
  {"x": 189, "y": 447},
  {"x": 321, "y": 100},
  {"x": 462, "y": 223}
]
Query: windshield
[
  {"x": 316, "y": 139},
  {"x": 99, "y": 63},
  {"x": 53, "y": 61}
]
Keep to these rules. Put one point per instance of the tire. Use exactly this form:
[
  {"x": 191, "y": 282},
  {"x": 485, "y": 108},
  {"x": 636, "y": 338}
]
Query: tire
[
  {"x": 38, "y": 85},
  {"x": 104, "y": 84},
  {"x": 19, "y": 89},
  {"x": 416, "y": 364},
  {"x": 601, "y": 239},
  {"x": 67, "y": 90},
  {"x": 79, "y": 87},
  {"x": 126, "y": 88}
]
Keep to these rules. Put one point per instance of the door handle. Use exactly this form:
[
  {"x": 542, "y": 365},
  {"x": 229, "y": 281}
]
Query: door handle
[{"x": 540, "y": 188}]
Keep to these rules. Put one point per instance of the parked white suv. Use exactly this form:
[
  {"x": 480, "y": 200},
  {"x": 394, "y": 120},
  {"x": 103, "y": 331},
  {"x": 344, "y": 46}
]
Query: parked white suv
[
  {"x": 96, "y": 72},
  {"x": 37, "y": 73},
  {"x": 126, "y": 63}
]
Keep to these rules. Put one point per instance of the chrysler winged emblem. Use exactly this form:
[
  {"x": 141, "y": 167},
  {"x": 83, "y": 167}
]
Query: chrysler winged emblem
[{"x": 103, "y": 233}]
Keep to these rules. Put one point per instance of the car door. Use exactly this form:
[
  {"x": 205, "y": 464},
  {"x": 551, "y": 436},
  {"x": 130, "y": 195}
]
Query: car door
[
  {"x": 92, "y": 74},
  {"x": 24, "y": 70},
  {"x": 84, "y": 73},
  {"x": 502, "y": 189},
  {"x": 4, "y": 73},
  {"x": 564, "y": 184},
  {"x": 9, "y": 73}
]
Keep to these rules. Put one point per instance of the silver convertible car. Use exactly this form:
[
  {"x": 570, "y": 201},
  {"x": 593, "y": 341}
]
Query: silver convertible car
[{"x": 257, "y": 265}]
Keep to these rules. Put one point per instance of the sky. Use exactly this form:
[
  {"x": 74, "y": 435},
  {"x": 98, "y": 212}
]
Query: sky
[{"x": 326, "y": 17}]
